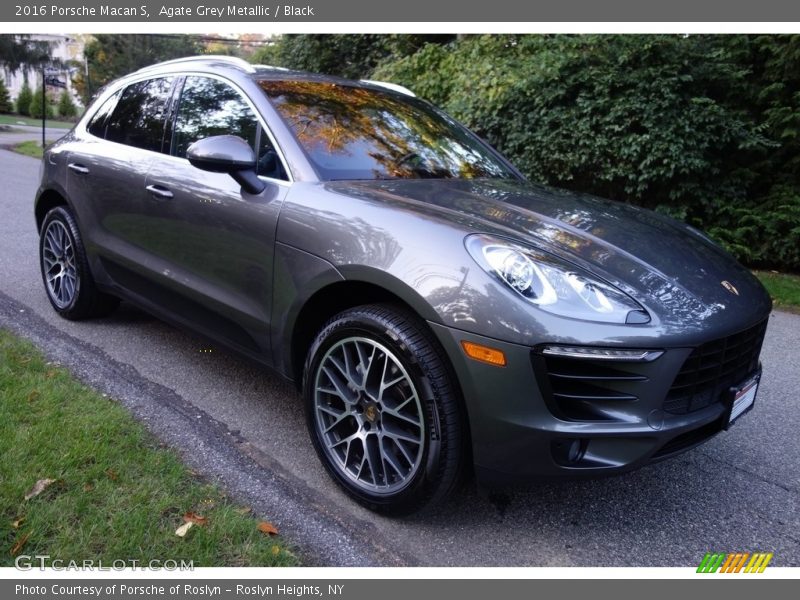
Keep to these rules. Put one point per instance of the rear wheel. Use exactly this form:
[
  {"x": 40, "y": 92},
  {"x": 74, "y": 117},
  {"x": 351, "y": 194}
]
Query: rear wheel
[
  {"x": 65, "y": 269},
  {"x": 383, "y": 411}
]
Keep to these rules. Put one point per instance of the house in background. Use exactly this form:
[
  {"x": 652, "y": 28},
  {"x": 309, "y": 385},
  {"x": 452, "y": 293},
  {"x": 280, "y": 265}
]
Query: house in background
[{"x": 63, "y": 49}]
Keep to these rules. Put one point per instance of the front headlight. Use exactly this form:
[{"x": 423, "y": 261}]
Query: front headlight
[{"x": 552, "y": 284}]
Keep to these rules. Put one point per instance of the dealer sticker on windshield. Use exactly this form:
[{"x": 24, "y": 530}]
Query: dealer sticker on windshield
[{"x": 743, "y": 399}]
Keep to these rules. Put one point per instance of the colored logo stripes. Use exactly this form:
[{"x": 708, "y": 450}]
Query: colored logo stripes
[{"x": 735, "y": 562}]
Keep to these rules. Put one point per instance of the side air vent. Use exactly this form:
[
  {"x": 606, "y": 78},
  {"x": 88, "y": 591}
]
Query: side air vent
[{"x": 588, "y": 389}]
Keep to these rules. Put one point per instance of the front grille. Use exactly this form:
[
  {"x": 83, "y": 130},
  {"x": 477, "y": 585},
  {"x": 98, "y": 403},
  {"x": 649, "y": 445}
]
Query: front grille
[
  {"x": 713, "y": 368},
  {"x": 588, "y": 390}
]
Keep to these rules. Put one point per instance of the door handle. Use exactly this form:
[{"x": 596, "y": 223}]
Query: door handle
[
  {"x": 159, "y": 191},
  {"x": 78, "y": 168}
]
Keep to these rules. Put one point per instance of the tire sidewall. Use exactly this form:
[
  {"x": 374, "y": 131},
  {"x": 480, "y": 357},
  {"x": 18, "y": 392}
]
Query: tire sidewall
[{"x": 351, "y": 325}]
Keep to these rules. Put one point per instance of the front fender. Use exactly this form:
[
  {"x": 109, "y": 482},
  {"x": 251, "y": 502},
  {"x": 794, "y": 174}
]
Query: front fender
[{"x": 297, "y": 276}]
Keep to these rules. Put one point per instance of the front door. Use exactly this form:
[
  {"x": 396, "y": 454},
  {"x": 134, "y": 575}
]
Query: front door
[{"x": 212, "y": 241}]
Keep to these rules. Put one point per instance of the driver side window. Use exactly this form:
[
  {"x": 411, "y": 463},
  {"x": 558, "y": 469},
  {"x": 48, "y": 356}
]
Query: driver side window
[{"x": 211, "y": 107}]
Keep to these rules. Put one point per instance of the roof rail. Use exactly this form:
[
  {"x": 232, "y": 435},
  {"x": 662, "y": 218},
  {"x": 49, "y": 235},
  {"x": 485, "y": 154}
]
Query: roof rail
[
  {"x": 231, "y": 60},
  {"x": 270, "y": 68},
  {"x": 390, "y": 86}
]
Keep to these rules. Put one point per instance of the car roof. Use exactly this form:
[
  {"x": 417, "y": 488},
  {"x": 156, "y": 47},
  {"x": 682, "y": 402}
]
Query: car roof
[{"x": 240, "y": 66}]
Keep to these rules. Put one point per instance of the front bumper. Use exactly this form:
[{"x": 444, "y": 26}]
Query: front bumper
[{"x": 524, "y": 428}]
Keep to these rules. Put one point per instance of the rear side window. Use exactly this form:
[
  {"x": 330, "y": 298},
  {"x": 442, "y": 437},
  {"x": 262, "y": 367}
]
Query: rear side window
[
  {"x": 138, "y": 118},
  {"x": 97, "y": 124},
  {"x": 210, "y": 107}
]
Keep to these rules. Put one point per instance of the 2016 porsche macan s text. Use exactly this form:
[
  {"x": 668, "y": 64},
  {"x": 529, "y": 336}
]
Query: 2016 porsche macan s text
[{"x": 440, "y": 314}]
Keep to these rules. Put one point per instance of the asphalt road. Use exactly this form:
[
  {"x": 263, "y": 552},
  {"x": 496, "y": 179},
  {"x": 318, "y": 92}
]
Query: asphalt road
[
  {"x": 245, "y": 428},
  {"x": 14, "y": 134}
]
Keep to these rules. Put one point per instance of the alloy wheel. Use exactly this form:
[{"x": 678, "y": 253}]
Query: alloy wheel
[
  {"x": 58, "y": 259},
  {"x": 368, "y": 415}
]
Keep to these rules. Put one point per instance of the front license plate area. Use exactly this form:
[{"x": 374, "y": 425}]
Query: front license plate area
[{"x": 742, "y": 399}]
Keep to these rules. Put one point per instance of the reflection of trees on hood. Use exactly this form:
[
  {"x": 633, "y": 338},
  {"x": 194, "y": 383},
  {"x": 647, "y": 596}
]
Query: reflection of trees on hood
[{"x": 351, "y": 240}]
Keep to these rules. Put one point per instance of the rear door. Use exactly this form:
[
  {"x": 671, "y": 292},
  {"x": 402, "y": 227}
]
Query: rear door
[
  {"x": 107, "y": 174},
  {"x": 213, "y": 243}
]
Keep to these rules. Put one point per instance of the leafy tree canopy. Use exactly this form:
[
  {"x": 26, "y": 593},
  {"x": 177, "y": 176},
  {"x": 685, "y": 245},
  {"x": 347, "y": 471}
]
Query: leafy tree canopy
[
  {"x": 351, "y": 56},
  {"x": 17, "y": 51},
  {"x": 113, "y": 55}
]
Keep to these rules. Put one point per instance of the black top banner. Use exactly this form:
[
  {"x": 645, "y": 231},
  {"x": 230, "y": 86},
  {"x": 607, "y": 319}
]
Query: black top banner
[{"x": 410, "y": 11}]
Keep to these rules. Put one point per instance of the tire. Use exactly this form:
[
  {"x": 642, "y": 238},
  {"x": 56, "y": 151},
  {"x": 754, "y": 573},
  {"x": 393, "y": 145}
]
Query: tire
[
  {"x": 65, "y": 270},
  {"x": 392, "y": 436}
]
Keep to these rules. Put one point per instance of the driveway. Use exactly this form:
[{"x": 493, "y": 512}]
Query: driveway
[{"x": 245, "y": 428}]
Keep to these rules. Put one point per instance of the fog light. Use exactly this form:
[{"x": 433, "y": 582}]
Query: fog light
[
  {"x": 574, "y": 451},
  {"x": 569, "y": 451},
  {"x": 589, "y": 352},
  {"x": 485, "y": 354}
]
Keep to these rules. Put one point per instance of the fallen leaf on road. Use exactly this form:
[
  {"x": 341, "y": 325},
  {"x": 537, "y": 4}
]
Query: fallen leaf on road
[
  {"x": 184, "y": 529},
  {"x": 191, "y": 517},
  {"x": 267, "y": 528},
  {"x": 20, "y": 544},
  {"x": 39, "y": 487}
]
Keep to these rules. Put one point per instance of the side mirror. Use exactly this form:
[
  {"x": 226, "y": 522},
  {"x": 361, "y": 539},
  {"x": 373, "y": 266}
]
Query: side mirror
[{"x": 227, "y": 154}]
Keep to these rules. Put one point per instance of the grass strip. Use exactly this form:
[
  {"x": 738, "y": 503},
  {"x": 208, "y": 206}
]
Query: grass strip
[{"x": 116, "y": 492}]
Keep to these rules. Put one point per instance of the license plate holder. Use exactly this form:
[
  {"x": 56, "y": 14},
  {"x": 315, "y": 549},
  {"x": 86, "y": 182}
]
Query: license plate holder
[{"x": 741, "y": 399}]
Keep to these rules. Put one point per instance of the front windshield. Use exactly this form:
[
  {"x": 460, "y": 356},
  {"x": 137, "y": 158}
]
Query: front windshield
[{"x": 351, "y": 132}]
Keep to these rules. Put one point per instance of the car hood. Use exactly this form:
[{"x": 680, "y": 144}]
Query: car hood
[{"x": 675, "y": 272}]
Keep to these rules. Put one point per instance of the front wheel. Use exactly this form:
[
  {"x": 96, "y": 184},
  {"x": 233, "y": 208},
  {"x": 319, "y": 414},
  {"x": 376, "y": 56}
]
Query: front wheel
[
  {"x": 65, "y": 269},
  {"x": 383, "y": 411}
]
